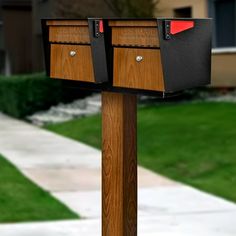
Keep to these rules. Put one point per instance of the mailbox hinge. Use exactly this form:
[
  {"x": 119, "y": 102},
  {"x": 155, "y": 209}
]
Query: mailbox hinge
[{"x": 167, "y": 33}]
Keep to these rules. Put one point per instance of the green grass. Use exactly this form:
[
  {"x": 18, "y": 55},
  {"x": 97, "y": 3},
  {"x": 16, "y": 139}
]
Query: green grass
[
  {"x": 21, "y": 200},
  {"x": 194, "y": 143}
]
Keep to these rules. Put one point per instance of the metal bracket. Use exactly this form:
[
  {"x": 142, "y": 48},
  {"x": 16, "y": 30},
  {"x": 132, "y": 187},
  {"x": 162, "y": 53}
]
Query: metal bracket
[{"x": 99, "y": 54}]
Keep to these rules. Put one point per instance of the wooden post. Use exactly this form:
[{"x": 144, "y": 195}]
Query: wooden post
[{"x": 119, "y": 164}]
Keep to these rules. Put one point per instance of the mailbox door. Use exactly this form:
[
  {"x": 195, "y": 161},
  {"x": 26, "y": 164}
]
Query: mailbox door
[
  {"x": 71, "y": 62},
  {"x": 138, "y": 68}
]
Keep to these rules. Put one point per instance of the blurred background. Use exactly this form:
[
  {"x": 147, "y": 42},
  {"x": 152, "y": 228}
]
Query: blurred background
[{"x": 193, "y": 135}]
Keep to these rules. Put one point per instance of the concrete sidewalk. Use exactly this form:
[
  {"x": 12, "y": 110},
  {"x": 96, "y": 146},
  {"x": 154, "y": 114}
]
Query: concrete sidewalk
[{"x": 71, "y": 172}]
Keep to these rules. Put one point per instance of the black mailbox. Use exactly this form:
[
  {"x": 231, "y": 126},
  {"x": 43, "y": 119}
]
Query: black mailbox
[
  {"x": 136, "y": 55},
  {"x": 72, "y": 48}
]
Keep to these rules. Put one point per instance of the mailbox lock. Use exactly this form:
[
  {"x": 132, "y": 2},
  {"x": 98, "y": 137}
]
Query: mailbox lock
[
  {"x": 72, "y": 53},
  {"x": 139, "y": 58}
]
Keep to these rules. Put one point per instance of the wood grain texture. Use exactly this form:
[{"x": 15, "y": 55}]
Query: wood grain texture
[
  {"x": 69, "y": 34},
  {"x": 67, "y": 22},
  {"x": 119, "y": 164},
  {"x": 146, "y": 74},
  {"x": 135, "y": 36},
  {"x": 63, "y": 66},
  {"x": 136, "y": 23}
]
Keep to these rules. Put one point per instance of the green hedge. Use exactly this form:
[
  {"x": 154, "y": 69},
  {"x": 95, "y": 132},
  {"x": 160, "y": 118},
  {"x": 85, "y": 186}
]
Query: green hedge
[{"x": 25, "y": 94}]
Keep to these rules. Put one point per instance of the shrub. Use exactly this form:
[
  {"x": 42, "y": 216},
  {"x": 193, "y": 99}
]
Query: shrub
[{"x": 25, "y": 94}]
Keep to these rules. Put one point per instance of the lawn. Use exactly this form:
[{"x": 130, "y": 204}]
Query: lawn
[
  {"x": 21, "y": 200},
  {"x": 194, "y": 143}
]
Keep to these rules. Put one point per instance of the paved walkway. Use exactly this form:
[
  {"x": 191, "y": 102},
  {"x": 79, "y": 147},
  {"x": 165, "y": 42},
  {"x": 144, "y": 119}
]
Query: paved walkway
[{"x": 71, "y": 172}]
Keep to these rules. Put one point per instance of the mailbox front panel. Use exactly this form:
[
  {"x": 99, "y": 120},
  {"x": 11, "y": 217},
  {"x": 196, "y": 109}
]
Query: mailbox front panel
[
  {"x": 136, "y": 60},
  {"x": 138, "y": 68},
  {"x": 71, "y": 62}
]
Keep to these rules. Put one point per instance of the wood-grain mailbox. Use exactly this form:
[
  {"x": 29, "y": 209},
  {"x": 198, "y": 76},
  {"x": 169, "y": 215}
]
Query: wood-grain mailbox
[
  {"x": 72, "y": 49},
  {"x": 152, "y": 55},
  {"x": 121, "y": 58}
]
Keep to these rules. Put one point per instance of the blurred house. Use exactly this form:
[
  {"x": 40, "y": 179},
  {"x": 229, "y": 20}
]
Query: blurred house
[
  {"x": 21, "y": 49},
  {"x": 2, "y": 49},
  {"x": 223, "y": 13}
]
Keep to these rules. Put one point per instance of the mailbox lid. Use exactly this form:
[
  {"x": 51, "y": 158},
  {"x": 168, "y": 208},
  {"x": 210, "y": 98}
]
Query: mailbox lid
[
  {"x": 134, "y": 33},
  {"x": 186, "y": 56},
  {"x": 68, "y": 31}
]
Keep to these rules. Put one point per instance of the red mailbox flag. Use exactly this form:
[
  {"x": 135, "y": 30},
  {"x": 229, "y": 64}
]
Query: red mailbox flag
[
  {"x": 101, "y": 28},
  {"x": 177, "y": 26}
]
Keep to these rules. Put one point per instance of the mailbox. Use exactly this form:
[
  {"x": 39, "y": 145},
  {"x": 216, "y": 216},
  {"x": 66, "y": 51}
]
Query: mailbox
[
  {"x": 75, "y": 50},
  {"x": 131, "y": 55}
]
